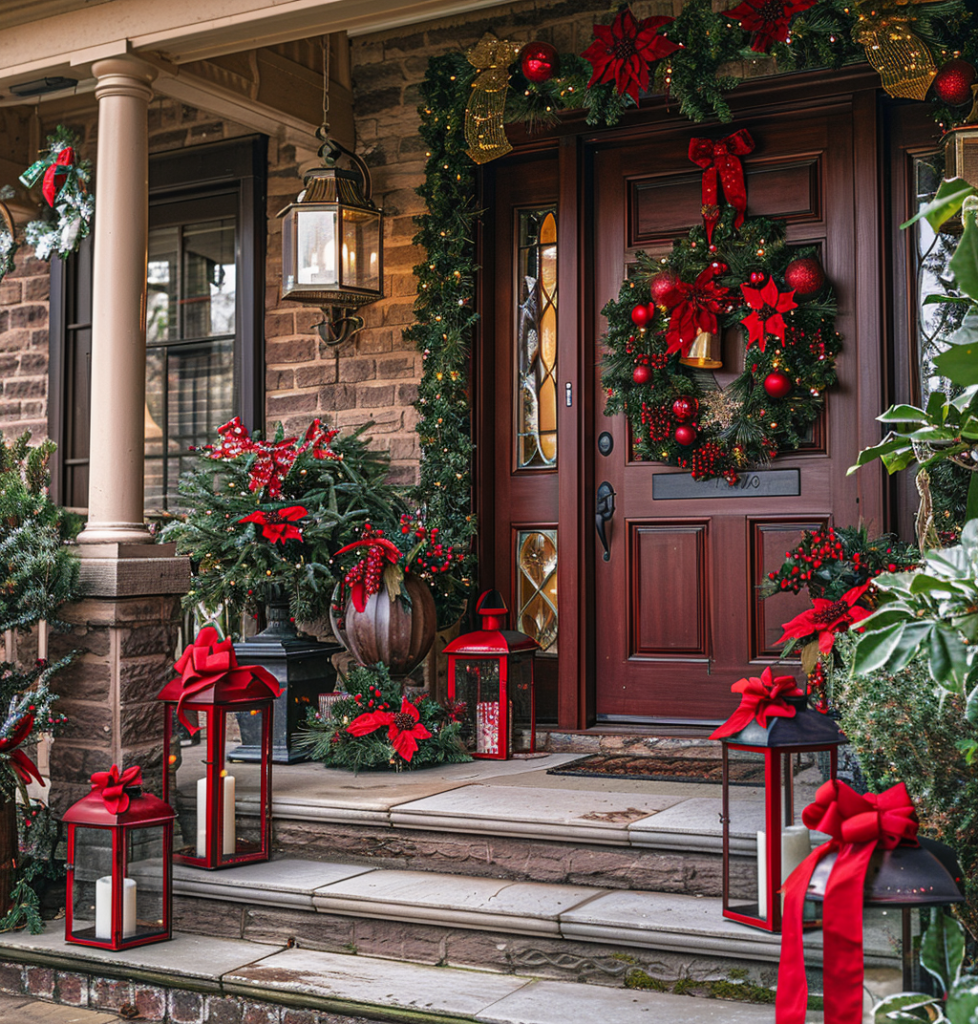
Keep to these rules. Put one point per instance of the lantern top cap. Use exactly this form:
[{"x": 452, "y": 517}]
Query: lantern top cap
[
  {"x": 143, "y": 809},
  {"x": 491, "y": 603},
  {"x": 806, "y": 728}
]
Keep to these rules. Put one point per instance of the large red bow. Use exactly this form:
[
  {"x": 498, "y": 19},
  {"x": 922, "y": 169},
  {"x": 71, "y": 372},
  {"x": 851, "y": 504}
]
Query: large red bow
[
  {"x": 210, "y": 660},
  {"x": 19, "y": 761},
  {"x": 113, "y": 786},
  {"x": 56, "y": 175},
  {"x": 720, "y": 160},
  {"x": 857, "y": 825},
  {"x": 760, "y": 699}
]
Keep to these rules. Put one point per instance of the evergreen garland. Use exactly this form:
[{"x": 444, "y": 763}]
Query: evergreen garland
[{"x": 371, "y": 689}]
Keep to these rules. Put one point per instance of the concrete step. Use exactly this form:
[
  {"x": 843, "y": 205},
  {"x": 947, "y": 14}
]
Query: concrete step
[
  {"x": 608, "y": 936},
  {"x": 231, "y": 979}
]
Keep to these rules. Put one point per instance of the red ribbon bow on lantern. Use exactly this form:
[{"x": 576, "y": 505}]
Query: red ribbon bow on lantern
[
  {"x": 210, "y": 660},
  {"x": 113, "y": 786},
  {"x": 857, "y": 825},
  {"x": 56, "y": 175},
  {"x": 760, "y": 699},
  {"x": 720, "y": 160},
  {"x": 19, "y": 761}
]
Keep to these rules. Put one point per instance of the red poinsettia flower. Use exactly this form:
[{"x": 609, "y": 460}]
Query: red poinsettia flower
[
  {"x": 767, "y": 19},
  {"x": 694, "y": 309},
  {"x": 404, "y": 727},
  {"x": 766, "y": 306},
  {"x": 827, "y": 618},
  {"x": 621, "y": 53},
  {"x": 277, "y": 525}
]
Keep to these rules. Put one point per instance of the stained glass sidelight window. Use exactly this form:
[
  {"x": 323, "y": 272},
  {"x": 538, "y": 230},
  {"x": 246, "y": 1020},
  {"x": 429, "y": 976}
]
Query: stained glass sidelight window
[
  {"x": 536, "y": 586},
  {"x": 536, "y": 340}
]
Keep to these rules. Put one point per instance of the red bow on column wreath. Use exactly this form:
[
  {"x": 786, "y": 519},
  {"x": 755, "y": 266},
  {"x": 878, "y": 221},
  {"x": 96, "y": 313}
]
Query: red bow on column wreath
[
  {"x": 24, "y": 767},
  {"x": 209, "y": 661},
  {"x": 857, "y": 825},
  {"x": 720, "y": 160},
  {"x": 113, "y": 785}
]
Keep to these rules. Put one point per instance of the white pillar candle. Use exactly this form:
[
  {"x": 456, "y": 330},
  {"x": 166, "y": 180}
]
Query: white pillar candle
[
  {"x": 103, "y": 908},
  {"x": 229, "y": 845},
  {"x": 796, "y": 845}
]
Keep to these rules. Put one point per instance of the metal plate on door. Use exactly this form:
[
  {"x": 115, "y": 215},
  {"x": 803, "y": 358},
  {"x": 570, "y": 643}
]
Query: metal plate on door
[{"x": 763, "y": 483}]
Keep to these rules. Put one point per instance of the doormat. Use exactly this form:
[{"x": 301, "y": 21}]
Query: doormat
[{"x": 663, "y": 768}]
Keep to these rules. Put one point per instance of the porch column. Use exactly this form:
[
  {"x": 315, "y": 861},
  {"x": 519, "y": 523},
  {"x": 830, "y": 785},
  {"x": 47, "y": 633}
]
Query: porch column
[{"x": 118, "y": 373}]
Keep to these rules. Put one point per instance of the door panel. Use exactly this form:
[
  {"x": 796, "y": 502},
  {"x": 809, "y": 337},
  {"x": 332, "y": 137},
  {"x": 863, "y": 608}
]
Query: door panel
[{"x": 687, "y": 570}]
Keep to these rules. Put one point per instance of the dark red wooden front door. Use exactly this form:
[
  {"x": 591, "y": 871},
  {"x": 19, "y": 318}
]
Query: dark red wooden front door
[{"x": 677, "y": 617}]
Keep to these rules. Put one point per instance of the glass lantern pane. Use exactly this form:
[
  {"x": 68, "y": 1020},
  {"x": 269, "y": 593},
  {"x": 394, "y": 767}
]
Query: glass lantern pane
[
  {"x": 242, "y": 783},
  {"x": 316, "y": 250},
  {"x": 142, "y": 904},
  {"x": 185, "y": 764},
  {"x": 477, "y": 685},
  {"x": 746, "y": 823},
  {"x": 520, "y": 687},
  {"x": 90, "y": 891},
  {"x": 361, "y": 249}
]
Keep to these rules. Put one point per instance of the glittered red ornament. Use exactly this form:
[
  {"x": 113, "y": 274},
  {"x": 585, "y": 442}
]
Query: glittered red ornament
[
  {"x": 539, "y": 62},
  {"x": 685, "y": 408},
  {"x": 661, "y": 285},
  {"x": 640, "y": 315},
  {"x": 777, "y": 384},
  {"x": 952, "y": 84},
  {"x": 805, "y": 277},
  {"x": 642, "y": 374},
  {"x": 685, "y": 435}
]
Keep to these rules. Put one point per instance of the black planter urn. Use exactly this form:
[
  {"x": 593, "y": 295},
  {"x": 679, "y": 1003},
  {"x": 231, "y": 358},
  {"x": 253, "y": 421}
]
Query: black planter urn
[{"x": 304, "y": 670}]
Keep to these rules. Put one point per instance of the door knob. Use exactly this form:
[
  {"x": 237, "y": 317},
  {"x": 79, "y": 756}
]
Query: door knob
[{"x": 604, "y": 511}]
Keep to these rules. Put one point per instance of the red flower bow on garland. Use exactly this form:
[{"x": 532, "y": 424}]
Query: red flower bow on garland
[
  {"x": 207, "y": 662},
  {"x": 404, "y": 727},
  {"x": 694, "y": 309},
  {"x": 622, "y": 52},
  {"x": 720, "y": 160},
  {"x": 19, "y": 761},
  {"x": 767, "y": 19},
  {"x": 858, "y": 826},
  {"x": 56, "y": 175},
  {"x": 827, "y": 618},
  {"x": 113, "y": 786},
  {"x": 766, "y": 306},
  {"x": 365, "y": 578},
  {"x": 760, "y": 699},
  {"x": 273, "y": 459},
  {"x": 276, "y": 525},
  {"x": 319, "y": 438}
]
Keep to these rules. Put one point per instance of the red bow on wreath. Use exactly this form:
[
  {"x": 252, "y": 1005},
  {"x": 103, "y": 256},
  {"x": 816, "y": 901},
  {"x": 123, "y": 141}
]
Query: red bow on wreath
[
  {"x": 19, "y": 761},
  {"x": 210, "y": 661},
  {"x": 273, "y": 459},
  {"x": 858, "y": 826},
  {"x": 760, "y": 699},
  {"x": 720, "y": 160},
  {"x": 318, "y": 438},
  {"x": 694, "y": 309},
  {"x": 56, "y": 175},
  {"x": 113, "y": 786}
]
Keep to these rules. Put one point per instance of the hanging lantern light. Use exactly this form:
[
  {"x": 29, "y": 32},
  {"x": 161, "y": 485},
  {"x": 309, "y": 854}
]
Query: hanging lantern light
[{"x": 331, "y": 237}]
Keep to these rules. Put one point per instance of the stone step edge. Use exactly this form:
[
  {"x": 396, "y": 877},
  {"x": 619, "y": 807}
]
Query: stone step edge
[
  {"x": 748, "y": 944},
  {"x": 171, "y": 982}
]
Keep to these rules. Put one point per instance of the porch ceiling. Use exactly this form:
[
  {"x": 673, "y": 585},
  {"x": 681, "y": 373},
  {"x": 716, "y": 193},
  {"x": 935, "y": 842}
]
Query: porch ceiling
[{"x": 61, "y": 34}]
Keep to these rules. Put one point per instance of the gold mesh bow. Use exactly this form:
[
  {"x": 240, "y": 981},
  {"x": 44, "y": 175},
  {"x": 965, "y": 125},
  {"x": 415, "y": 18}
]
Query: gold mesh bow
[
  {"x": 484, "y": 131},
  {"x": 902, "y": 59}
]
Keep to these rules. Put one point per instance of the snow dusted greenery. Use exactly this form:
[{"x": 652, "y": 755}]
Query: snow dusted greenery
[
  {"x": 61, "y": 230},
  {"x": 8, "y": 244}
]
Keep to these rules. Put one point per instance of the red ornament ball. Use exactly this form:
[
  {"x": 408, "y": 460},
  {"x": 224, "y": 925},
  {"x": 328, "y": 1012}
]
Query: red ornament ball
[
  {"x": 757, "y": 277},
  {"x": 685, "y": 435},
  {"x": 642, "y": 374},
  {"x": 777, "y": 384},
  {"x": 952, "y": 84},
  {"x": 640, "y": 315},
  {"x": 661, "y": 285},
  {"x": 805, "y": 277},
  {"x": 685, "y": 408},
  {"x": 539, "y": 62}
]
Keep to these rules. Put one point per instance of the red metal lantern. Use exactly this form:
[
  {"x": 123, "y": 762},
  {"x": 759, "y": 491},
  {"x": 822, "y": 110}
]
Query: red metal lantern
[
  {"x": 119, "y": 889},
  {"x": 491, "y": 672},
  {"x": 761, "y": 816},
  {"x": 218, "y": 700}
]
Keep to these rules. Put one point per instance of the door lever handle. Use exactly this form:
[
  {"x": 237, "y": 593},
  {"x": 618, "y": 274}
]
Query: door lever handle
[{"x": 604, "y": 511}]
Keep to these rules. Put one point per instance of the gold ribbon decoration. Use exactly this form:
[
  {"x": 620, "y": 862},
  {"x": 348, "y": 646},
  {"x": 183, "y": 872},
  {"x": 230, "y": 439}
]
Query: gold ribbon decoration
[
  {"x": 484, "y": 131},
  {"x": 905, "y": 65}
]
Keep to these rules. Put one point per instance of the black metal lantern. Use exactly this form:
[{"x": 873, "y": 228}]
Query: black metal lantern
[
  {"x": 751, "y": 896},
  {"x": 119, "y": 886},
  {"x": 490, "y": 671}
]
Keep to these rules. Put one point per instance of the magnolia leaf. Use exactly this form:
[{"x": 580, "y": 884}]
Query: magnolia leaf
[
  {"x": 942, "y": 950},
  {"x": 907, "y": 1006},
  {"x": 914, "y": 635},
  {"x": 898, "y": 461},
  {"x": 971, "y": 708},
  {"x": 964, "y": 263},
  {"x": 962, "y": 1003},
  {"x": 874, "y": 650},
  {"x": 948, "y": 656},
  {"x": 393, "y": 577},
  {"x": 933, "y": 300},
  {"x": 886, "y": 616},
  {"x": 890, "y": 443},
  {"x": 960, "y": 362},
  {"x": 809, "y": 657},
  {"x": 965, "y": 398},
  {"x": 948, "y": 199},
  {"x": 902, "y": 414}
]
